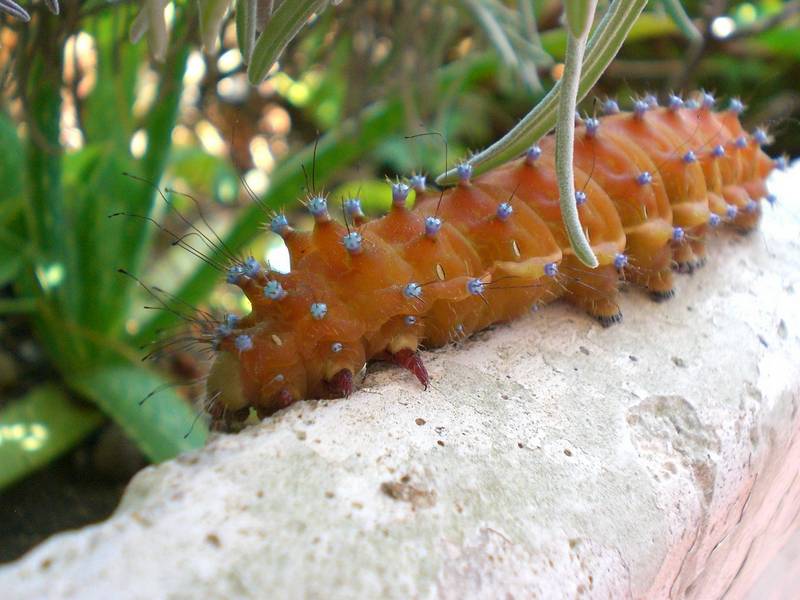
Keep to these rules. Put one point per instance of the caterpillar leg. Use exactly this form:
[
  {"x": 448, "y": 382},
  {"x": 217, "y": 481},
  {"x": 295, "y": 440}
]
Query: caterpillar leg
[
  {"x": 412, "y": 361},
  {"x": 594, "y": 290},
  {"x": 341, "y": 384},
  {"x": 650, "y": 259},
  {"x": 690, "y": 253},
  {"x": 745, "y": 213}
]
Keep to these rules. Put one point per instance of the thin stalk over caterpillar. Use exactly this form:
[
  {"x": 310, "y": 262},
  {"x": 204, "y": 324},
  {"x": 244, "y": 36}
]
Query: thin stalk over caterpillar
[{"x": 580, "y": 14}]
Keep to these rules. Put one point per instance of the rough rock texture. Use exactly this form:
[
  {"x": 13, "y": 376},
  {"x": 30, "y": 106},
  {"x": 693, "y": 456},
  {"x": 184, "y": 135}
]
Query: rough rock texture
[{"x": 551, "y": 458}]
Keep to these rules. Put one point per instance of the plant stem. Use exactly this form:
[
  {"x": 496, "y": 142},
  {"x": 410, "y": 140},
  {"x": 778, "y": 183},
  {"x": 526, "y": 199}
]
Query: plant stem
[{"x": 565, "y": 135}]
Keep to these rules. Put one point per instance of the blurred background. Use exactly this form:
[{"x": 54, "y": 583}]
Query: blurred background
[{"x": 84, "y": 101}]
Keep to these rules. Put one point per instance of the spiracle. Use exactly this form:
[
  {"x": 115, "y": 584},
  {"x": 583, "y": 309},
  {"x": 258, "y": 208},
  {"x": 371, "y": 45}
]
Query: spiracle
[{"x": 650, "y": 185}]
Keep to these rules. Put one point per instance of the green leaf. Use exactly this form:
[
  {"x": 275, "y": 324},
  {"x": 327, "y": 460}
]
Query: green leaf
[
  {"x": 108, "y": 109},
  {"x": 11, "y": 165},
  {"x": 39, "y": 427},
  {"x": 163, "y": 426},
  {"x": 284, "y": 24},
  {"x": 10, "y": 263}
]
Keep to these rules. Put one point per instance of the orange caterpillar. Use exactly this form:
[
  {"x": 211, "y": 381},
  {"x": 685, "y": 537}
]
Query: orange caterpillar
[{"x": 650, "y": 184}]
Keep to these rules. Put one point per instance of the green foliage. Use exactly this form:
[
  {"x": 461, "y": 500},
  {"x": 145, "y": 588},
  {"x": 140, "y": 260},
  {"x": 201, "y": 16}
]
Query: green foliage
[{"x": 38, "y": 427}]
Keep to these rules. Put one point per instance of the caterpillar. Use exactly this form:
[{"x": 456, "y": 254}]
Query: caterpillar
[{"x": 651, "y": 183}]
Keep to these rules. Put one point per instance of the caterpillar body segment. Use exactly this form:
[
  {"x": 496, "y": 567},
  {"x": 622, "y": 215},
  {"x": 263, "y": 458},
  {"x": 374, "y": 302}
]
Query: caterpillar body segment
[{"x": 649, "y": 184}]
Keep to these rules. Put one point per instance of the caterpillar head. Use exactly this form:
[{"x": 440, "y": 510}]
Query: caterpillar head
[{"x": 297, "y": 343}]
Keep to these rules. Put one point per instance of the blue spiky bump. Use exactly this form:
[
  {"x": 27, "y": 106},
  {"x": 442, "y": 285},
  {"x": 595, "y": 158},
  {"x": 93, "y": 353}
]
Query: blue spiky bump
[
  {"x": 532, "y": 154},
  {"x": 475, "y": 286},
  {"x": 418, "y": 183},
  {"x": 319, "y": 310},
  {"x": 273, "y": 290},
  {"x": 504, "y": 211},
  {"x": 279, "y": 224},
  {"x": 610, "y": 107},
  {"x": 352, "y": 242},
  {"x": 432, "y": 226},
  {"x": 399, "y": 194},
  {"x": 413, "y": 290},
  {"x": 243, "y": 343}
]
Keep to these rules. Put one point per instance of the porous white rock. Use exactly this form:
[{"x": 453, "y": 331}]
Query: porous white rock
[{"x": 550, "y": 458}]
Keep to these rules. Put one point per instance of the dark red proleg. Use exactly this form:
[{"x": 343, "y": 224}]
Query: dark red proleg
[
  {"x": 342, "y": 383},
  {"x": 412, "y": 361}
]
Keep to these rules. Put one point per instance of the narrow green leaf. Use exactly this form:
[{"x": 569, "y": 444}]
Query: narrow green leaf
[
  {"x": 40, "y": 427},
  {"x": 246, "y": 19},
  {"x": 283, "y": 26},
  {"x": 212, "y": 12},
  {"x": 11, "y": 165},
  {"x": 678, "y": 14},
  {"x": 163, "y": 426}
]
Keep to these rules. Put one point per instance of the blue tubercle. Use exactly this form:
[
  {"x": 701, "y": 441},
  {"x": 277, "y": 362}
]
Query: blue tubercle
[
  {"x": 243, "y": 343},
  {"x": 336, "y": 347},
  {"x": 781, "y": 163},
  {"x": 274, "y": 290},
  {"x": 432, "y": 226},
  {"x": 464, "y": 171},
  {"x": 475, "y": 286},
  {"x": 689, "y": 157},
  {"x": 644, "y": 178},
  {"x": 678, "y": 234},
  {"x": 735, "y": 105},
  {"x": 413, "y": 290},
  {"x": 319, "y": 310},
  {"x": 714, "y": 220},
  {"x": 235, "y": 273},
  {"x": 772, "y": 199},
  {"x": 318, "y": 206},
  {"x": 640, "y": 107},
  {"x": 731, "y": 212},
  {"x": 533, "y": 153},
  {"x": 227, "y": 326},
  {"x": 580, "y": 198},
  {"x": 279, "y": 224},
  {"x": 652, "y": 100},
  {"x": 751, "y": 206},
  {"x": 709, "y": 100},
  {"x": 504, "y": 211},
  {"x": 692, "y": 104},
  {"x": 610, "y": 107},
  {"x": 251, "y": 267},
  {"x": 741, "y": 142},
  {"x": 410, "y": 320},
  {"x": 620, "y": 261},
  {"x": 551, "y": 269},
  {"x": 675, "y": 102},
  {"x": 761, "y": 137},
  {"x": 400, "y": 194},
  {"x": 352, "y": 207},
  {"x": 718, "y": 151},
  {"x": 418, "y": 183},
  {"x": 592, "y": 125},
  {"x": 352, "y": 242}
]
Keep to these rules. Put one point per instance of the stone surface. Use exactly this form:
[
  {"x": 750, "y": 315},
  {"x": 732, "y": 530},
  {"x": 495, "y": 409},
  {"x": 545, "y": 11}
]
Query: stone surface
[{"x": 550, "y": 458}]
